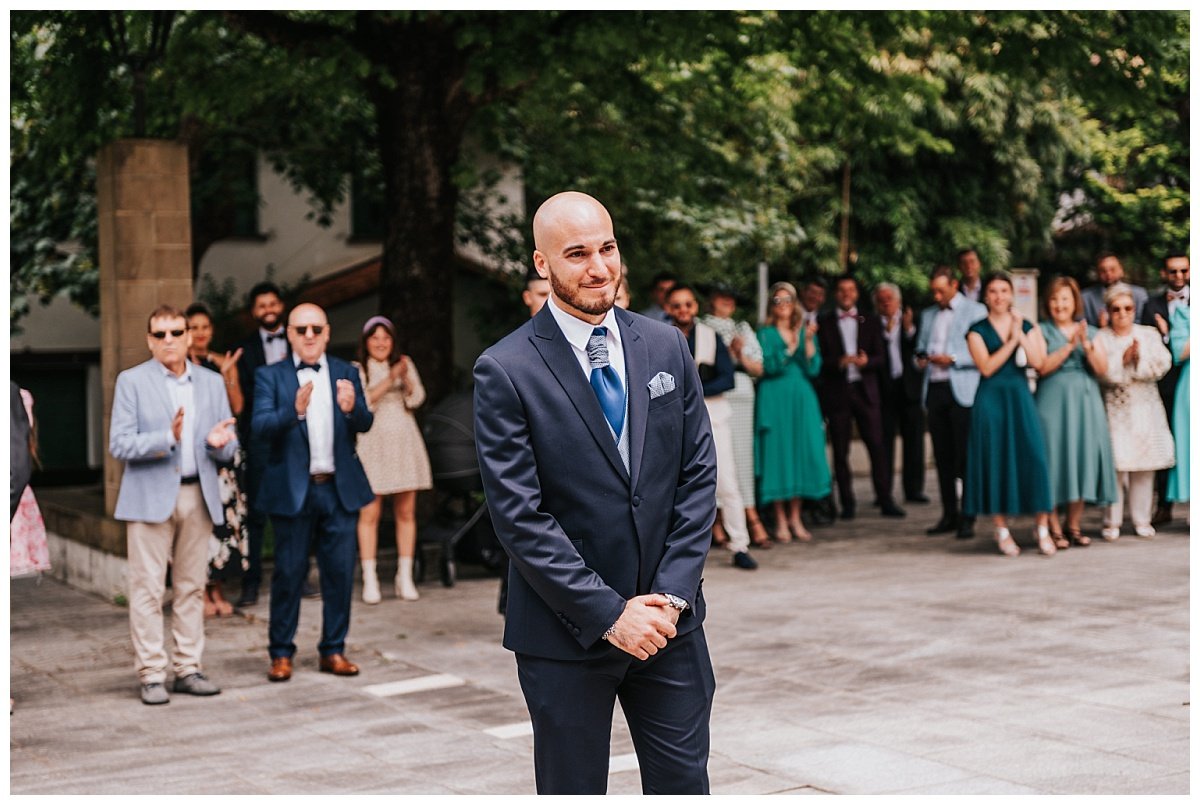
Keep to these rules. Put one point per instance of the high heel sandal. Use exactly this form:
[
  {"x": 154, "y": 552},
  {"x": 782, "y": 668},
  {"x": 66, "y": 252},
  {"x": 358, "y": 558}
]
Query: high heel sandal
[
  {"x": 1006, "y": 543},
  {"x": 782, "y": 534},
  {"x": 758, "y": 533},
  {"x": 1077, "y": 536},
  {"x": 719, "y": 535},
  {"x": 1046, "y": 546},
  {"x": 799, "y": 531},
  {"x": 1060, "y": 542}
]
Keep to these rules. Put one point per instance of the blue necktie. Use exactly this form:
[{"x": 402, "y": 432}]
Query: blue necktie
[{"x": 605, "y": 382}]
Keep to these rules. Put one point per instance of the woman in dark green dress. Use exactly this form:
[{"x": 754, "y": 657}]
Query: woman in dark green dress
[
  {"x": 1078, "y": 446},
  {"x": 1006, "y": 453}
]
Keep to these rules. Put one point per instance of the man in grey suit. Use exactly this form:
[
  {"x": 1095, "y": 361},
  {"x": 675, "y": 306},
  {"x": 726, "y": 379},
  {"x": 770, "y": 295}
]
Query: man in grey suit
[
  {"x": 171, "y": 425},
  {"x": 1109, "y": 272},
  {"x": 948, "y": 391}
]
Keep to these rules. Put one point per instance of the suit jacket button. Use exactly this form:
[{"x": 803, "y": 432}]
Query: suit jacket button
[{"x": 637, "y": 501}]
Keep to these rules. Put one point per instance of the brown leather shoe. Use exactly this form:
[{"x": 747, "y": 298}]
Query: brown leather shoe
[
  {"x": 339, "y": 665},
  {"x": 281, "y": 669}
]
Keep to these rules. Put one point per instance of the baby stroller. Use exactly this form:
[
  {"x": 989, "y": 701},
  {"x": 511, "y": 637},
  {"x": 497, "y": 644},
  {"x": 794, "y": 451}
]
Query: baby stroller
[{"x": 460, "y": 526}]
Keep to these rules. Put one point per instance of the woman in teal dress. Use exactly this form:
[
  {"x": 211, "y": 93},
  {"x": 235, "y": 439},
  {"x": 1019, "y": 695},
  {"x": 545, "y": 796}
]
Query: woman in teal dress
[
  {"x": 1006, "y": 452},
  {"x": 1078, "y": 447},
  {"x": 1178, "y": 482},
  {"x": 789, "y": 447}
]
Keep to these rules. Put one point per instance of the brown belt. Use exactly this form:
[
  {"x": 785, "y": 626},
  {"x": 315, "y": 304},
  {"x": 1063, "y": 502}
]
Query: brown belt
[{"x": 321, "y": 477}]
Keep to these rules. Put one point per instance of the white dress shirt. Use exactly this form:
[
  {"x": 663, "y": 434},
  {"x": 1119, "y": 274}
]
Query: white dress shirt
[
  {"x": 319, "y": 416},
  {"x": 578, "y": 332},
  {"x": 939, "y": 336},
  {"x": 848, "y": 324},
  {"x": 274, "y": 350},
  {"x": 892, "y": 337},
  {"x": 179, "y": 388},
  {"x": 971, "y": 293}
]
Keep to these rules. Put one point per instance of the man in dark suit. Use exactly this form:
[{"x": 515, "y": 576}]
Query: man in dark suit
[
  {"x": 600, "y": 474},
  {"x": 1157, "y": 313},
  {"x": 900, "y": 393},
  {"x": 851, "y": 360},
  {"x": 267, "y": 345},
  {"x": 308, "y": 410}
]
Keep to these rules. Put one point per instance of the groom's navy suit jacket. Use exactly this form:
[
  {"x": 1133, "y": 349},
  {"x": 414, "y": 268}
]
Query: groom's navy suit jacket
[{"x": 583, "y": 534}]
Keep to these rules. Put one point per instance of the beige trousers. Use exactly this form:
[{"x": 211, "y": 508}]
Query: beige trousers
[
  {"x": 729, "y": 496},
  {"x": 1140, "y": 496},
  {"x": 181, "y": 541}
]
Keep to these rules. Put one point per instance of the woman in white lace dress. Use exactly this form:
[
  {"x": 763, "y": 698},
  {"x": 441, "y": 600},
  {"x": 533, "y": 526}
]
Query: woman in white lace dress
[
  {"x": 392, "y": 453},
  {"x": 1141, "y": 439}
]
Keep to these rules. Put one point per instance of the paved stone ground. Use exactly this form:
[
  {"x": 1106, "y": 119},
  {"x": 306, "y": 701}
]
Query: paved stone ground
[{"x": 874, "y": 660}]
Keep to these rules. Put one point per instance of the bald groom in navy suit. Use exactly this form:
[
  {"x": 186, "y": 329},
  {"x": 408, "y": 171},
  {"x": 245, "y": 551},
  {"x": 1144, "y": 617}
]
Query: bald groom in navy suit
[{"x": 600, "y": 475}]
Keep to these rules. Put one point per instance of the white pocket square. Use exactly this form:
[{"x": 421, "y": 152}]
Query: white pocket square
[{"x": 660, "y": 384}]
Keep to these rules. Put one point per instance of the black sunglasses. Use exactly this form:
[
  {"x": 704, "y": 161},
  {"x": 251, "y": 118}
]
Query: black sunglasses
[
  {"x": 161, "y": 334},
  {"x": 302, "y": 329}
]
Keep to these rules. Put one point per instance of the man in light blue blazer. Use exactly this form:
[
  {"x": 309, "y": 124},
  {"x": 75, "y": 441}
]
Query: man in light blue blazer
[
  {"x": 948, "y": 389},
  {"x": 172, "y": 426}
]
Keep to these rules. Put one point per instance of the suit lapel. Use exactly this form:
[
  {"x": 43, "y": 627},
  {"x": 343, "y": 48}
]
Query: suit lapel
[
  {"x": 291, "y": 385},
  {"x": 556, "y": 351},
  {"x": 637, "y": 368}
]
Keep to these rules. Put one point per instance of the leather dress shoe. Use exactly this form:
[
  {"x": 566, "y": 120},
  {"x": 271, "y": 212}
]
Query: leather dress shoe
[
  {"x": 338, "y": 664},
  {"x": 889, "y": 509},
  {"x": 249, "y": 596},
  {"x": 966, "y": 529},
  {"x": 916, "y": 499},
  {"x": 744, "y": 560},
  {"x": 943, "y": 526},
  {"x": 281, "y": 669}
]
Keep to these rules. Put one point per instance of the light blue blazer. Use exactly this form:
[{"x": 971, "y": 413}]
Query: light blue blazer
[
  {"x": 964, "y": 376},
  {"x": 140, "y": 435}
]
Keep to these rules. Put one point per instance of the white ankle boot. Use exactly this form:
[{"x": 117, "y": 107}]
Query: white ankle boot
[
  {"x": 370, "y": 592},
  {"x": 405, "y": 588}
]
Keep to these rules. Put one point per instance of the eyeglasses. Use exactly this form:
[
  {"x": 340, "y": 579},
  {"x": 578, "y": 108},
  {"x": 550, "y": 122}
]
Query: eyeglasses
[
  {"x": 1177, "y": 270},
  {"x": 1121, "y": 309},
  {"x": 161, "y": 334},
  {"x": 303, "y": 329},
  {"x": 781, "y": 300}
]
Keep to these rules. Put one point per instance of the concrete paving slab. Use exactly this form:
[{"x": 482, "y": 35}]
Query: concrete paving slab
[{"x": 874, "y": 660}]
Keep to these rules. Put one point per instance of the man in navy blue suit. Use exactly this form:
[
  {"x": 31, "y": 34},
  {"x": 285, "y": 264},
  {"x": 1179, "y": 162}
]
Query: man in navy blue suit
[
  {"x": 308, "y": 409},
  {"x": 600, "y": 474}
]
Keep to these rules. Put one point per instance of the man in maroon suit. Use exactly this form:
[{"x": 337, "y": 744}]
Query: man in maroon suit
[{"x": 851, "y": 359}]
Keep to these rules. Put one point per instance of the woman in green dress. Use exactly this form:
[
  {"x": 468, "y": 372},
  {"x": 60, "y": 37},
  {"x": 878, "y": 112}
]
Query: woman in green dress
[
  {"x": 1006, "y": 452},
  {"x": 1078, "y": 445},
  {"x": 1179, "y": 479},
  {"x": 789, "y": 447}
]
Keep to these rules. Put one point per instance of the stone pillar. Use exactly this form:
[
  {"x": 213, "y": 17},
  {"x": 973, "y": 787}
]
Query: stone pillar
[{"x": 142, "y": 203}]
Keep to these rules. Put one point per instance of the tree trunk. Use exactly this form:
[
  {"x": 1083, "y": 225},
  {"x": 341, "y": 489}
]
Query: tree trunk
[
  {"x": 844, "y": 240},
  {"x": 421, "y": 126}
]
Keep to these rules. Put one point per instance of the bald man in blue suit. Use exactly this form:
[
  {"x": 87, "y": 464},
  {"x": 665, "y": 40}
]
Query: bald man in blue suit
[{"x": 600, "y": 474}]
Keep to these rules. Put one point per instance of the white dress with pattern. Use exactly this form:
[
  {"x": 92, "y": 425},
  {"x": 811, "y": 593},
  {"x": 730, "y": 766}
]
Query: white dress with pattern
[
  {"x": 393, "y": 452},
  {"x": 1137, "y": 421}
]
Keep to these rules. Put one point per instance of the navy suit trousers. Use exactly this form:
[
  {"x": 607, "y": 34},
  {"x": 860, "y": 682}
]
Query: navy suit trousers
[
  {"x": 326, "y": 522},
  {"x": 667, "y": 700}
]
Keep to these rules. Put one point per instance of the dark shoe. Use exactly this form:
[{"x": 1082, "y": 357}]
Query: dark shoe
[
  {"x": 943, "y": 526},
  {"x": 196, "y": 684},
  {"x": 820, "y": 518},
  {"x": 848, "y": 512},
  {"x": 916, "y": 498},
  {"x": 281, "y": 669},
  {"x": 744, "y": 560},
  {"x": 338, "y": 665},
  {"x": 967, "y": 529},
  {"x": 1162, "y": 515},
  {"x": 249, "y": 596},
  {"x": 890, "y": 509},
  {"x": 310, "y": 591},
  {"x": 155, "y": 693}
]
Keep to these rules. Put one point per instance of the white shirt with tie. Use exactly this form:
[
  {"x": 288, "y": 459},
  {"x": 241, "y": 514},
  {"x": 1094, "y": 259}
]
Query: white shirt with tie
[
  {"x": 891, "y": 334},
  {"x": 848, "y": 324},
  {"x": 1177, "y": 298},
  {"x": 939, "y": 336},
  {"x": 275, "y": 347},
  {"x": 319, "y": 416}
]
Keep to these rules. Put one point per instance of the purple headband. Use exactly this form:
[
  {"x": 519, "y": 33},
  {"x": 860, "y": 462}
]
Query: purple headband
[{"x": 384, "y": 320}]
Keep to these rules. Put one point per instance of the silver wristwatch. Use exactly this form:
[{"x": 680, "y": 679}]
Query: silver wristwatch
[{"x": 676, "y": 601}]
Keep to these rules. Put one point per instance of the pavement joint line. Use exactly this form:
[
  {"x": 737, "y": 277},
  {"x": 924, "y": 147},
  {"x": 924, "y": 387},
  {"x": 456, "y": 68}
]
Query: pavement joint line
[
  {"x": 518, "y": 730},
  {"x": 418, "y": 684},
  {"x": 619, "y": 763}
]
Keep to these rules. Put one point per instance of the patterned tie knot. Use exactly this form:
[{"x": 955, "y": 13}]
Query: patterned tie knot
[{"x": 597, "y": 348}]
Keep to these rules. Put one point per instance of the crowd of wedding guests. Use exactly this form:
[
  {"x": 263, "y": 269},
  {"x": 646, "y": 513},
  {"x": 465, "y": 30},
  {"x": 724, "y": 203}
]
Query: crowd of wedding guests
[{"x": 1087, "y": 405}]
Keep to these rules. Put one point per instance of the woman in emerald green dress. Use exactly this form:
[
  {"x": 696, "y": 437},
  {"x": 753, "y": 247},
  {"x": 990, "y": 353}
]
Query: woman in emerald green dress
[
  {"x": 1078, "y": 445},
  {"x": 1178, "y": 483},
  {"x": 789, "y": 447},
  {"x": 1006, "y": 452}
]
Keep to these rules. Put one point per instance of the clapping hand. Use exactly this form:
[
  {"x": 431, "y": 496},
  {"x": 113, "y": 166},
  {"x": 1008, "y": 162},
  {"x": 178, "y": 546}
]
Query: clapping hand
[
  {"x": 303, "y": 397},
  {"x": 1163, "y": 327},
  {"x": 860, "y": 360},
  {"x": 811, "y": 328},
  {"x": 221, "y": 435},
  {"x": 1130, "y": 358},
  {"x": 345, "y": 395},
  {"x": 177, "y": 424},
  {"x": 1102, "y": 319},
  {"x": 645, "y": 625}
]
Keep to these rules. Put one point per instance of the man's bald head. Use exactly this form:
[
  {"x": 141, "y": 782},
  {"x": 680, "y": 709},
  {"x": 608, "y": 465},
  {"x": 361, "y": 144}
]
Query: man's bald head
[
  {"x": 303, "y": 323},
  {"x": 576, "y": 250}
]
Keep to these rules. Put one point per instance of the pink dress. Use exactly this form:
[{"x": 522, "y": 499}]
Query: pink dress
[{"x": 27, "y": 550}]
